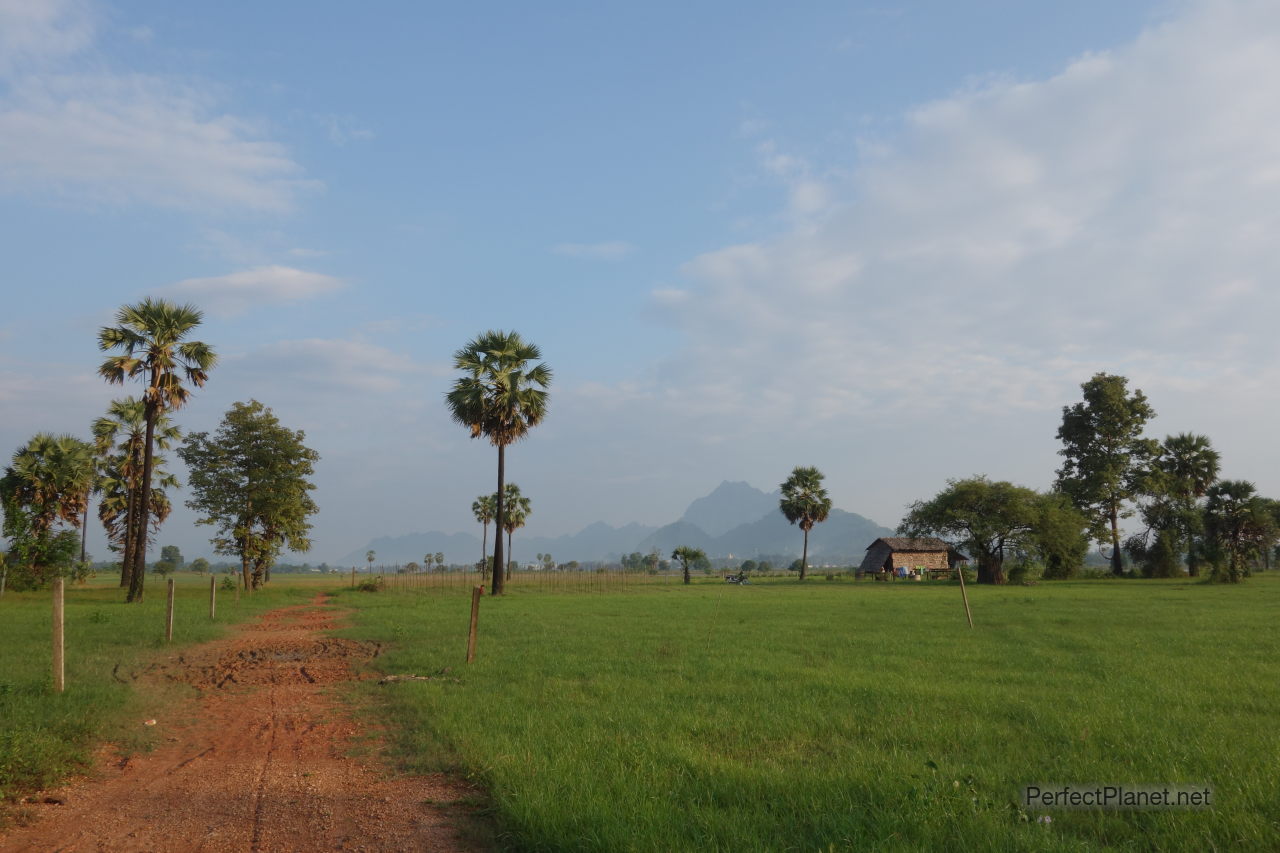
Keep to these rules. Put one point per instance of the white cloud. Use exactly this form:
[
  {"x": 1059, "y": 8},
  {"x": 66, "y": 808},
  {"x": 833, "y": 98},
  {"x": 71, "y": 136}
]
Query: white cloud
[
  {"x": 609, "y": 250},
  {"x": 235, "y": 293},
  {"x": 115, "y": 137},
  {"x": 33, "y": 32},
  {"x": 1018, "y": 235}
]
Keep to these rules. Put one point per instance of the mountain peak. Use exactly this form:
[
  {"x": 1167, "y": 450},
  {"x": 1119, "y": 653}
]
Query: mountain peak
[{"x": 730, "y": 504}]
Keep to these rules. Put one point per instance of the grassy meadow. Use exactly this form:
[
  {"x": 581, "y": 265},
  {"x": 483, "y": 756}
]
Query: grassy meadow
[
  {"x": 841, "y": 715},
  {"x": 44, "y": 735}
]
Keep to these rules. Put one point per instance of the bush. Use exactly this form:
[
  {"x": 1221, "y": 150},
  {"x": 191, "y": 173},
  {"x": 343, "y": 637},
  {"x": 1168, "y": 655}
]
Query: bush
[
  {"x": 371, "y": 585},
  {"x": 228, "y": 584}
]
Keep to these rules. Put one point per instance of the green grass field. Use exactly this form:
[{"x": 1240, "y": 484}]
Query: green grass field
[
  {"x": 43, "y": 735},
  {"x": 844, "y": 716}
]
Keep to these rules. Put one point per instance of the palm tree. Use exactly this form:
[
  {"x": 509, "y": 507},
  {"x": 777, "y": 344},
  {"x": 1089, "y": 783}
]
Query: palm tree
[
  {"x": 440, "y": 559},
  {"x": 1188, "y": 465},
  {"x": 805, "y": 502},
  {"x": 48, "y": 481},
  {"x": 1237, "y": 522},
  {"x": 484, "y": 508},
  {"x": 500, "y": 397},
  {"x": 118, "y": 438},
  {"x": 369, "y": 555},
  {"x": 518, "y": 511},
  {"x": 152, "y": 339},
  {"x": 687, "y": 555}
]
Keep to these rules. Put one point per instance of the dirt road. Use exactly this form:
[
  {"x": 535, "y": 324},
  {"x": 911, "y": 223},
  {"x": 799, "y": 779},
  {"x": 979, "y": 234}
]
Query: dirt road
[{"x": 259, "y": 763}]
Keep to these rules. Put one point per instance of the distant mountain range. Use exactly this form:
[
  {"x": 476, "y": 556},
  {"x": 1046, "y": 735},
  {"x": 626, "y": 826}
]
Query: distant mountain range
[{"x": 735, "y": 519}]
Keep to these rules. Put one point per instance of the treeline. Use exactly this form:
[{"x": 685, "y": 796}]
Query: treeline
[
  {"x": 249, "y": 480},
  {"x": 1190, "y": 520}
]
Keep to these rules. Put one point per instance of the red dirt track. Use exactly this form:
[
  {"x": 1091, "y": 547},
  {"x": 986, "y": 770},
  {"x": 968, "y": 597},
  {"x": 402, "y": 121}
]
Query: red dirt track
[{"x": 259, "y": 762}]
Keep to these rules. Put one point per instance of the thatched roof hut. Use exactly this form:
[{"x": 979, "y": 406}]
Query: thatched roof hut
[{"x": 890, "y": 553}]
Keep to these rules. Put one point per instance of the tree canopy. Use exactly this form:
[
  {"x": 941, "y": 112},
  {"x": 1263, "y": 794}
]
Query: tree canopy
[
  {"x": 152, "y": 345},
  {"x": 500, "y": 396},
  {"x": 688, "y": 555},
  {"x": 993, "y": 519},
  {"x": 250, "y": 480},
  {"x": 804, "y": 502},
  {"x": 46, "y": 485},
  {"x": 1105, "y": 455}
]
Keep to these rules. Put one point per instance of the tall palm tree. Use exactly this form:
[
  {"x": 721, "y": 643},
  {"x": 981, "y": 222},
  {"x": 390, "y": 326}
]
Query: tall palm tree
[
  {"x": 500, "y": 396},
  {"x": 151, "y": 337},
  {"x": 518, "y": 511},
  {"x": 804, "y": 502},
  {"x": 47, "y": 482},
  {"x": 118, "y": 438},
  {"x": 1188, "y": 466},
  {"x": 369, "y": 555}
]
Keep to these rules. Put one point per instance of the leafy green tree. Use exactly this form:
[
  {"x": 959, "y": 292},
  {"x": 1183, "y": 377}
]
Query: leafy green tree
[
  {"x": 1105, "y": 455},
  {"x": 172, "y": 554},
  {"x": 990, "y": 519},
  {"x": 46, "y": 486},
  {"x": 1060, "y": 536},
  {"x": 250, "y": 480},
  {"x": 804, "y": 502},
  {"x": 164, "y": 568},
  {"x": 748, "y": 566},
  {"x": 688, "y": 555},
  {"x": 199, "y": 565},
  {"x": 500, "y": 396},
  {"x": 151, "y": 337},
  {"x": 1239, "y": 524}
]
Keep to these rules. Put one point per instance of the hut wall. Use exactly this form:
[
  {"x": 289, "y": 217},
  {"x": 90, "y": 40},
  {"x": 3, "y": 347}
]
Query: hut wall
[{"x": 920, "y": 560}]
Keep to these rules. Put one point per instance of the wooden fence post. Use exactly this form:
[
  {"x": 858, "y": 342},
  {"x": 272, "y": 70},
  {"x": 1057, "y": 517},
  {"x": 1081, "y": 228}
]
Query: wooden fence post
[
  {"x": 168, "y": 615},
  {"x": 476, "y": 593},
  {"x": 965, "y": 595},
  {"x": 213, "y": 598},
  {"x": 59, "y": 674}
]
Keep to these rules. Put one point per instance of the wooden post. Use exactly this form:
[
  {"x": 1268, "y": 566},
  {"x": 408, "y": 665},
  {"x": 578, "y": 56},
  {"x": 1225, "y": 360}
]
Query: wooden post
[
  {"x": 965, "y": 595},
  {"x": 213, "y": 598},
  {"x": 59, "y": 674},
  {"x": 476, "y": 594},
  {"x": 168, "y": 614},
  {"x": 353, "y": 577}
]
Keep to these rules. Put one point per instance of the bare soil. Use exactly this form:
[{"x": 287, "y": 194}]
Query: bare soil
[{"x": 261, "y": 760}]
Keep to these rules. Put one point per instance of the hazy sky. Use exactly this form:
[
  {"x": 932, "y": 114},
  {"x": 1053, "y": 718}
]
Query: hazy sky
[{"x": 886, "y": 239}]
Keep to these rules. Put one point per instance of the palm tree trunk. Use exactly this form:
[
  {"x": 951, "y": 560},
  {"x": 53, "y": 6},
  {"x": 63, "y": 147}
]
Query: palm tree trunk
[
  {"x": 500, "y": 517},
  {"x": 509, "y": 553},
  {"x": 126, "y": 551},
  {"x": 804, "y": 555},
  {"x": 484, "y": 550},
  {"x": 144, "y": 495},
  {"x": 84, "y": 531}
]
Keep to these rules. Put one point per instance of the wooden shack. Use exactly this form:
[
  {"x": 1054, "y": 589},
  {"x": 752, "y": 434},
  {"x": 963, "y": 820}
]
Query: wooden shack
[{"x": 891, "y": 553}]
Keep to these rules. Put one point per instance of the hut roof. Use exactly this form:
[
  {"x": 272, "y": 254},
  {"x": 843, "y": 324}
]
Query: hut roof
[{"x": 905, "y": 543}]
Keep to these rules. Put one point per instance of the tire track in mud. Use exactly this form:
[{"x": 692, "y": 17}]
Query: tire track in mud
[{"x": 260, "y": 761}]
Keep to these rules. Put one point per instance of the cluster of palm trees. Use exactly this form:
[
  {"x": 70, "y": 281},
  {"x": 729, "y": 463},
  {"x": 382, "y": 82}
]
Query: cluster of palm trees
[
  {"x": 517, "y": 509},
  {"x": 51, "y": 478}
]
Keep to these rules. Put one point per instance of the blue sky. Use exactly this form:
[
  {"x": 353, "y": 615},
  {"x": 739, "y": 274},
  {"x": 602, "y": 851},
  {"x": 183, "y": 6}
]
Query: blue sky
[{"x": 888, "y": 239}]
